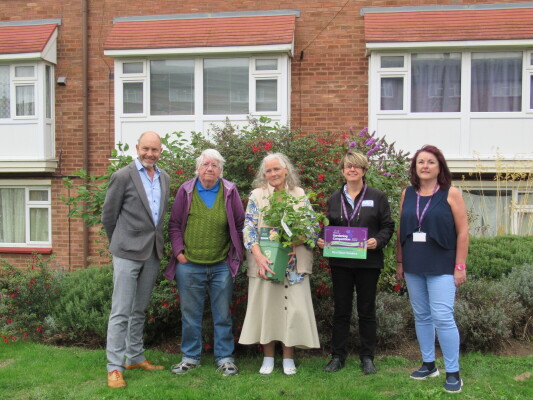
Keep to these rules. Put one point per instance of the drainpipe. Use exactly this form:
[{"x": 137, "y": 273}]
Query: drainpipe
[{"x": 85, "y": 117}]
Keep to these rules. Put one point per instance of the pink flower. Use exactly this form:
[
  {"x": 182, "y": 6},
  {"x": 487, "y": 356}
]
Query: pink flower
[
  {"x": 267, "y": 146},
  {"x": 255, "y": 149}
]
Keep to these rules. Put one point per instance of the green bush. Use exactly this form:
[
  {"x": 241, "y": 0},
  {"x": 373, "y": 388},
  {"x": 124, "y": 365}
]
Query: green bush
[
  {"x": 520, "y": 281},
  {"x": 487, "y": 313},
  {"x": 26, "y": 297},
  {"x": 494, "y": 257},
  {"x": 395, "y": 323}
]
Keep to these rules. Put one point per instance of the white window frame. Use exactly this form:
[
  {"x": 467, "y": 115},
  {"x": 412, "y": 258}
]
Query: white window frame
[
  {"x": 527, "y": 79},
  {"x": 254, "y": 75},
  {"x": 394, "y": 72},
  {"x": 28, "y": 205},
  {"x": 515, "y": 187}
]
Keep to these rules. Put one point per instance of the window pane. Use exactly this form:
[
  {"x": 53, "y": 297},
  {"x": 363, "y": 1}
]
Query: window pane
[
  {"x": 48, "y": 92},
  {"x": 132, "y": 68},
  {"x": 38, "y": 224},
  {"x": 489, "y": 211},
  {"x": 25, "y": 100},
  {"x": 12, "y": 226},
  {"x": 525, "y": 224},
  {"x": 530, "y": 92},
  {"x": 266, "y": 65},
  {"x": 391, "y": 61},
  {"x": 436, "y": 82},
  {"x": 4, "y": 92},
  {"x": 496, "y": 81},
  {"x": 226, "y": 86},
  {"x": 24, "y": 72},
  {"x": 133, "y": 97},
  {"x": 266, "y": 95},
  {"x": 172, "y": 87},
  {"x": 391, "y": 93},
  {"x": 38, "y": 195}
]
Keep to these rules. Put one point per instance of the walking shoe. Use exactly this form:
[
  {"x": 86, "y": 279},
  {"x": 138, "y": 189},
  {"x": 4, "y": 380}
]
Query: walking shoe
[
  {"x": 115, "y": 379},
  {"x": 453, "y": 384},
  {"x": 146, "y": 365},
  {"x": 183, "y": 367},
  {"x": 289, "y": 370},
  {"x": 228, "y": 368},
  {"x": 334, "y": 364},
  {"x": 423, "y": 372},
  {"x": 367, "y": 365}
]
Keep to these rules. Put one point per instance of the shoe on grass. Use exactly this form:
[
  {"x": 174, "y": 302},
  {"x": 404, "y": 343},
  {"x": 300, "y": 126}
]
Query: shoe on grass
[
  {"x": 182, "y": 368},
  {"x": 146, "y": 365},
  {"x": 228, "y": 368},
  {"x": 115, "y": 379},
  {"x": 367, "y": 365},
  {"x": 334, "y": 364},
  {"x": 423, "y": 373},
  {"x": 453, "y": 384}
]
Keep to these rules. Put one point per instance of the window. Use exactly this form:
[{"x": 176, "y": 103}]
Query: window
[
  {"x": 496, "y": 82},
  {"x": 19, "y": 85},
  {"x": 25, "y": 216},
  {"x": 172, "y": 87},
  {"x": 436, "y": 83},
  {"x": 227, "y": 86}
]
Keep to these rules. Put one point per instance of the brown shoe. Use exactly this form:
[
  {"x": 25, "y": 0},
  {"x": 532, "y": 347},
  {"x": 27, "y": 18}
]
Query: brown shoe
[
  {"x": 146, "y": 365},
  {"x": 115, "y": 379}
]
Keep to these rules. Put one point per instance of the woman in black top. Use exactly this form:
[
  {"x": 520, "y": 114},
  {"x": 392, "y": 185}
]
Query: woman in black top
[{"x": 356, "y": 204}]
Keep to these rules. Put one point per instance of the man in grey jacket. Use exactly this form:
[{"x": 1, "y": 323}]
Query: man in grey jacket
[{"x": 133, "y": 217}]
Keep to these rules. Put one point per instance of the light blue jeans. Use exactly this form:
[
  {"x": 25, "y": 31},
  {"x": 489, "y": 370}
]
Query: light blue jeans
[
  {"x": 432, "y": 299},
  {"x": 194, "y": 281}
]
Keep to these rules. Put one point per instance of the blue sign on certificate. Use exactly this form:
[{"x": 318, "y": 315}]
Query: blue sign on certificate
[{"x": 345, "y": 242}]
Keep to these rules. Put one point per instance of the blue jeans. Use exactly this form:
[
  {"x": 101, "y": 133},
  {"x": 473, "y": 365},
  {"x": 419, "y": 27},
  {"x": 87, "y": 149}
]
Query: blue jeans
[
  {"x": 194, "y": 281},
  {"x": 432, "y": 299}
]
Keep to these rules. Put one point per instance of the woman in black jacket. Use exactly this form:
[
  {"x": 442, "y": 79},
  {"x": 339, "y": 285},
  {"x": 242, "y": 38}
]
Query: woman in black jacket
[{"x": 356, "y": 204}]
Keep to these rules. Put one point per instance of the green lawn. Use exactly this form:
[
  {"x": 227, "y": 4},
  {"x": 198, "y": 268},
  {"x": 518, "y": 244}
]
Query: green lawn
[{"x": 35, "y": 371}]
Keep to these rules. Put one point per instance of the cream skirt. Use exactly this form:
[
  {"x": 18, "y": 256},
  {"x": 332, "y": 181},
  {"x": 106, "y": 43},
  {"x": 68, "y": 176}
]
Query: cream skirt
[{"x": 279, "y": 311}]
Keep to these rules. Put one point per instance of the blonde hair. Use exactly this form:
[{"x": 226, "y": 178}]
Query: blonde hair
[{"x": 354, "y": 158}]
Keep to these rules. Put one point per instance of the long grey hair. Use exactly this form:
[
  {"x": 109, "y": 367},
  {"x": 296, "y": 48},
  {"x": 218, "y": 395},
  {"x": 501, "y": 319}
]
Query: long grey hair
[{"x": 292, "y": 180}]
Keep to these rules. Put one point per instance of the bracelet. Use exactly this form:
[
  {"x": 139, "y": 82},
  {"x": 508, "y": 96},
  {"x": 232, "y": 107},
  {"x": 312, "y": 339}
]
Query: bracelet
[{"x": 460, "y": 267}]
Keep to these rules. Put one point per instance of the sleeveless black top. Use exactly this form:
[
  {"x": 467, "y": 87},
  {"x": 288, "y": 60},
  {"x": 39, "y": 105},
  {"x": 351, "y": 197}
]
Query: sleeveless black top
[{"x": 435, "y": 256}]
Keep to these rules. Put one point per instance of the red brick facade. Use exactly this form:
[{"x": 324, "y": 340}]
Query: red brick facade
[{"x": 329, "y": 81}]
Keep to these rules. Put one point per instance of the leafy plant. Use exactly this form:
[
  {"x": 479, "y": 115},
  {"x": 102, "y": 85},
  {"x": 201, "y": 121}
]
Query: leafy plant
[{"x": 297, "y": 223}]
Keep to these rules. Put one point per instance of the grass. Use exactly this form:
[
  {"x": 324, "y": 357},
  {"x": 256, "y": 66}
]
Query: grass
[{"x": 35, "y": 371}]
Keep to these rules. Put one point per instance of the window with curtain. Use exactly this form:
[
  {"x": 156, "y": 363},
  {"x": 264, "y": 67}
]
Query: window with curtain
[
  {"x": 48, "y": 94},
  {"x": 226, "y": 82},
  {"x": 132, "y": 94},
  {"x": 5, "y": 111},
  {"x": 436, "y": 82},
  {"x": 266, "y": 93},
  {"x": 25, "y": 103},
  {"x": 19, "y": 204},
  {"x": 489, "y": 211},
  {"x": 496, "y": 82},
  {"x": 392, "y": 93},
  {"x": 172, "y": 87}
]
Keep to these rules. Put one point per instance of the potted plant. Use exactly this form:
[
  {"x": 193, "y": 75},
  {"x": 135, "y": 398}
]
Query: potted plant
[{"x": 289, "y": 223}]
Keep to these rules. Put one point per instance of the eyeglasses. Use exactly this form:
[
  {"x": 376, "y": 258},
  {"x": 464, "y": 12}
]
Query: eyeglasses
[
  {"x": 350, "y": 166},
  {"x": 207, "y": 165}
]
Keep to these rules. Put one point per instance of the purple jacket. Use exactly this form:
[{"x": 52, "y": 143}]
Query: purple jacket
[{"x": 178, "y": 222}]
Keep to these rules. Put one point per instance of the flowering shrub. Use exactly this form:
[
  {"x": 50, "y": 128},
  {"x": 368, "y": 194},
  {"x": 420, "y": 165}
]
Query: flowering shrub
[{"x": 26, "y": 297}]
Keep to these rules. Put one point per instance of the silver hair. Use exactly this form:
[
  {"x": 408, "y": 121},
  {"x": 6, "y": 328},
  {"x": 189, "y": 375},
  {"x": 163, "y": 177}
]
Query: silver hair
[
  {"x": 292, "y": 180},
  {"x": 212, "y": 154},
  {"x": 148, "y": 132}
]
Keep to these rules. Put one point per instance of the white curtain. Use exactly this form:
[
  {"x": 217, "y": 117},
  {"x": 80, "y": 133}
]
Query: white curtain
[
  {"x": 4, "y": 91},
  {"x": 39, "y": 224},
  {"x": 488, "y": 211},
  {"x": 12, "y": 227},
  {"x": 496, "y": 82},
  {"x": 436, "y": 82},
  {"x": 25, "y": 100}
]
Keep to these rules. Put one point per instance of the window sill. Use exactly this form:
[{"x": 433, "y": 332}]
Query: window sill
[{"x": 25, "y": 250}]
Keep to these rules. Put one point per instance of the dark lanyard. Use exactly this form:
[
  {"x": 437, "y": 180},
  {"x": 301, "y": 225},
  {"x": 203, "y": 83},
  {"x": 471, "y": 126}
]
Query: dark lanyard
[
  {"x": 355, "y": 209},
  {"x": 419, "y": 216}
]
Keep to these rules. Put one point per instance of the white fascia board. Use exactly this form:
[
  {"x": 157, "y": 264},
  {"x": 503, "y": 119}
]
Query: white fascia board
[
  {"x": 459, "y": 44},
  {"x": 28, "y": 166},
  {"x": 275, "y": 48}
]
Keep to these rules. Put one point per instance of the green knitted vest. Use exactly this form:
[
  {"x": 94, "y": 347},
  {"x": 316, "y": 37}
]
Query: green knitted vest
[{"x": 207, "y": 238}]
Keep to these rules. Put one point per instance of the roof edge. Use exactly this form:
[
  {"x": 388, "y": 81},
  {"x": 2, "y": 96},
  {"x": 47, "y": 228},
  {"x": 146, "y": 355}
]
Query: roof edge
[
  {"x": 471, "y": 7},
  {"x": 265, "y": 13},
  {"x": 56, "y": 21}
]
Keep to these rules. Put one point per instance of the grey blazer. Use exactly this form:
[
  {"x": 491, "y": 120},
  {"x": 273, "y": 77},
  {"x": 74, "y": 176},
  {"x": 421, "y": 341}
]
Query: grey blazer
[{"x": 127, "y": 217}]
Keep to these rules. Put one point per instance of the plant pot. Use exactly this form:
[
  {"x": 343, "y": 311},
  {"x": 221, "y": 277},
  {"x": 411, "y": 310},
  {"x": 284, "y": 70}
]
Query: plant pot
[{"x": 275, "y": 252}]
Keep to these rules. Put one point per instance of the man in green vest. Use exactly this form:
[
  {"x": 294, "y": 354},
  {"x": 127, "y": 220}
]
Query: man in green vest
[{"x": 205, "y": 230}]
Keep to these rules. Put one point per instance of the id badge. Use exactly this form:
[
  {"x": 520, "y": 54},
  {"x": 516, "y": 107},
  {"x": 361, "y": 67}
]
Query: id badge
[{"x": 419, "y": 236}]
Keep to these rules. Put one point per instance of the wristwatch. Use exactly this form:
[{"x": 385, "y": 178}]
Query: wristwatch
[{"x": 460, "y": 267}]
